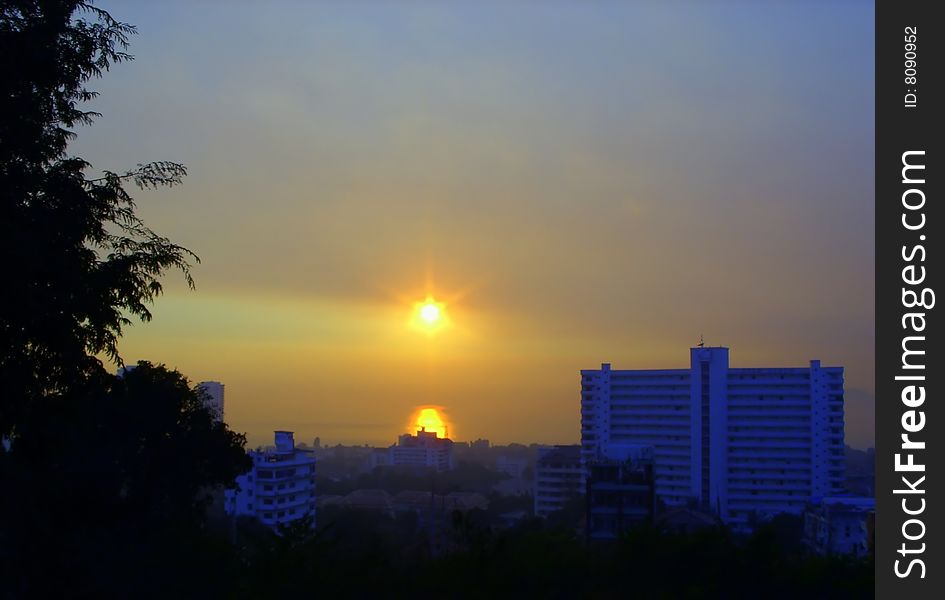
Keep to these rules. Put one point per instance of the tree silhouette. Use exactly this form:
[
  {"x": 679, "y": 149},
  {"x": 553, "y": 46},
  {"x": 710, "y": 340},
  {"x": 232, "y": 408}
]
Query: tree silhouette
[
  {"x": 103, "y": 479},
  {"x": 117, "y": 486},
  {"x": 77, "y": 260}
]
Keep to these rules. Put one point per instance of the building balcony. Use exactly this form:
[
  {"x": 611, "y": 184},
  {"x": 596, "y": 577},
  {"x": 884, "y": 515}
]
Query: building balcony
[
  {"x": 772, "y": 498},
  {"x": 747, "y": 487},
  {"x": 753, "y": 453},
  {"x": 738, "y": 412}
]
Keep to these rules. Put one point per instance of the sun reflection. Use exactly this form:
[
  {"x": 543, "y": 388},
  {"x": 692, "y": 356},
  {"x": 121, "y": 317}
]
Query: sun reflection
[{"x": 429, "y": 418}]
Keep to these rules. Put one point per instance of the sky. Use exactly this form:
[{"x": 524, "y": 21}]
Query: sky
[{"x": 576, "y": 183}]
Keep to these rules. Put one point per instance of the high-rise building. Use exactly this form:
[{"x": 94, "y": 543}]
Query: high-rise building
[
  {"x": 559, "y": 477},
  {"x": 742, "y": 443},
  {"x": 214, "y": 397},
  {"x": 280, "y": 487}
]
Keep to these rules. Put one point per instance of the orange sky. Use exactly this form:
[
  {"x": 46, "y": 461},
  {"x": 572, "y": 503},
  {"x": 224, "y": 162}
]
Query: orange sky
[{"x": 577, "y": 184}]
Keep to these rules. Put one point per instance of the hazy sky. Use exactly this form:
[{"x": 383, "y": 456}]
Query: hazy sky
[{"x": 579, "y": 182}]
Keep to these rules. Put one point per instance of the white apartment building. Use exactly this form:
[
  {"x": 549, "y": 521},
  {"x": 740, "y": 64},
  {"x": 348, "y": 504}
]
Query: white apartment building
[
  {"x": 422, "y": 450},
  {"x": 741, "y": 442},
  {"x": 559, "y": 476},
  {"x": 280, "y": 487},
  {"x": 214, "y": 401}
]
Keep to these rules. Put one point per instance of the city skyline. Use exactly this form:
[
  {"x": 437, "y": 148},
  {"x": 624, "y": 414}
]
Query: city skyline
[{"x": 571, "y": 195}]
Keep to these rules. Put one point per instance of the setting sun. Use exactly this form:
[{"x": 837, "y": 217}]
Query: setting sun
[
  {"x": 429, "y": 418},
  {"x": 430, "y": 315}
]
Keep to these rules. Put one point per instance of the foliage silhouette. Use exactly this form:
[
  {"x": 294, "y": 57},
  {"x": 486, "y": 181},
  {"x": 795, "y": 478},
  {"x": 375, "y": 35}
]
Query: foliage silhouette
[
  {"x": 360, "y": 554},
  {"x": 116, "y": 486},
  {"x": 76, "y": 256},
  {"x": 104, "y": 480}
]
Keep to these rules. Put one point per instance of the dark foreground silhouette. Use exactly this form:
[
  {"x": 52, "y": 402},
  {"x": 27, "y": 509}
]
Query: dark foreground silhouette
[{"x": 363, "y": 554}]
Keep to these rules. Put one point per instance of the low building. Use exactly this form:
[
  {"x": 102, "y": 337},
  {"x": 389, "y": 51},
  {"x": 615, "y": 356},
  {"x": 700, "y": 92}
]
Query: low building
[
  {"x": 620, "y": 491},
  {"x": 512, "y": 518},
  {"x": 465, "y": 501},
  {"x": 518, "y": 486},
  {"x": 415, "y": 501},
  {"x": 683, "y": 520},
  {"x": 429, "y": 502},
  {"x": 513, "y": 466},
  {"x": 280, "y": 488},
  {"x": 840, "y": 525},
  {"x": 372, "y": 500},
  {"x": 559, "y": 476},
  {"x": 380, "y": 457}
]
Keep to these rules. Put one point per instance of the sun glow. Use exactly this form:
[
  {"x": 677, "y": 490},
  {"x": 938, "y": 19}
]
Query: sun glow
[
  {"x": 429, "y": 418},
  {"x": 430, "y": 315}
]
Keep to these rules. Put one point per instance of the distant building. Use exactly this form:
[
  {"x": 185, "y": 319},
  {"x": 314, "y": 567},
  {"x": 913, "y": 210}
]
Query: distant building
[
  {"x": 280, "y": 488},
  {"x": 416, "y": 501},
  {"x": 684, "y": 520},
  {"x": 422, "y": 450},
  {"x": 512, "y": 466},
  {"x": 373, "y": 500},
  {"x": 479, "y": 444},
  {"x": 465, "y": 501},
  {"x": 519, "y": 486},
  {"x": 559, "y": 476},
  {"x": 742, "y": 443},
  {"x": 620, "y": 491},
  {"x": 427, "y": 502},
  {"x": 380, "y": 457},
  {"x": 840, "y": 525},
  {"x": 512, "y": 518},
  {"x": 214, "y": 399}
]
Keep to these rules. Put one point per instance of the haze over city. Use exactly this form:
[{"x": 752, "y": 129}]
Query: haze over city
[{"x": 571, "y": 186}]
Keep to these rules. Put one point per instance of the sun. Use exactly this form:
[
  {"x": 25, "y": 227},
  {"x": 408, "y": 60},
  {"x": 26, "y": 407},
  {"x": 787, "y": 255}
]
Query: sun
[{"x": 430, "y": 315}]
